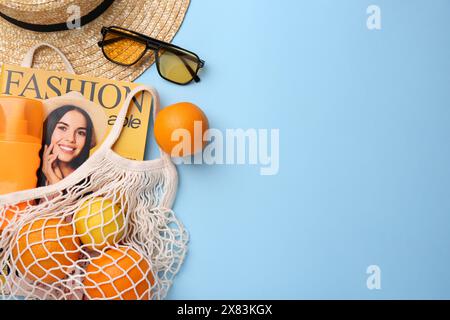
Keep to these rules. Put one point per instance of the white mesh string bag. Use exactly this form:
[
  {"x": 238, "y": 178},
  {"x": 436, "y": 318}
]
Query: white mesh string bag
[{"x": 106, "y": 231}]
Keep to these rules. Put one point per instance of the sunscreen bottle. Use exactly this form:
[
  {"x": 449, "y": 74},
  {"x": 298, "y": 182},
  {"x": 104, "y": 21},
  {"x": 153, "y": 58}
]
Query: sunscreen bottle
[{"x": 21, "y": 125}]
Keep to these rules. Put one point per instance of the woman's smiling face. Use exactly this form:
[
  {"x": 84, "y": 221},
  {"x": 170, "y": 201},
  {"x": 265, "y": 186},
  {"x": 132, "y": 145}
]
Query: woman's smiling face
[{"x": 69, "y": 137}]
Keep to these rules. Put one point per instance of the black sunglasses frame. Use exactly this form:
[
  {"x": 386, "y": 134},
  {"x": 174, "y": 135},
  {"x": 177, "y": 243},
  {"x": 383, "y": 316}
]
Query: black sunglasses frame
[{"x": 154, "y": 45}]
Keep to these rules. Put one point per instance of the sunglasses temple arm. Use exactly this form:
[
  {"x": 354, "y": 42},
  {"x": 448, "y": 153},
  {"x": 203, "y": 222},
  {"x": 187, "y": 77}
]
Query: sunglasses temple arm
[{"x": 192, "y": 72}]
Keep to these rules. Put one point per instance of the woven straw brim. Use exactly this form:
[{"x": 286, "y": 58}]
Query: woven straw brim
[{"x": 159, "y": 19}]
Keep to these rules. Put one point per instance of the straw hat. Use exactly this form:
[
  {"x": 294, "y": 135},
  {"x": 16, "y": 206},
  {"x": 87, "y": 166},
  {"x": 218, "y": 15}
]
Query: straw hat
[
  {"x": 95, "y": 112},
  {"x": 19, "y": 20}
]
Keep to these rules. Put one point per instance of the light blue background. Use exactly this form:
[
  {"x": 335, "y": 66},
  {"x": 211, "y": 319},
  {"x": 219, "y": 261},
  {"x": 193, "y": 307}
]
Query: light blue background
[{"x": 364, "y": 175}]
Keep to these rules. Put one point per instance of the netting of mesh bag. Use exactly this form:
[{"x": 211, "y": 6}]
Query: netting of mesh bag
[{"x": 107, "y": 236}]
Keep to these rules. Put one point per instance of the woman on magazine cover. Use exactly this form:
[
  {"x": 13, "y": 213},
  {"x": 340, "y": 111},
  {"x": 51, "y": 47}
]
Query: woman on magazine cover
[{"x": 67, "y": 140}]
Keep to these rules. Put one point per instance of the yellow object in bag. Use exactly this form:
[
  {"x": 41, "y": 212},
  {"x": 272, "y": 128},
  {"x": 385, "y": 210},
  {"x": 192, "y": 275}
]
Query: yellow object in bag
[
  {"x": 3, "y": 275},
  {"x": 100, "y": 222}
]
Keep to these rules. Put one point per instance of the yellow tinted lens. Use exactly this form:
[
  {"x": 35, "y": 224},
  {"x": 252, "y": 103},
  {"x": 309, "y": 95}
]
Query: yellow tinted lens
[
  {"x": 121, "y": 49},
  {"x": 178, "y": 66}
]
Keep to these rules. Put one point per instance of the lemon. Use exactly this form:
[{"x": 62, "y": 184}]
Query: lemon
[{"x": 99, "y": 223}]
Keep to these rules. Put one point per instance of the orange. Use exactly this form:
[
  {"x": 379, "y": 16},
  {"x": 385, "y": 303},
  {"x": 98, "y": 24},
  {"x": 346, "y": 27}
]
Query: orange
[
  {"x": 45, "y": 250},
  {"x": 119, "y": 273},
  {"x": 183, "y": 115},
  {"x": 9, "y": 214}
]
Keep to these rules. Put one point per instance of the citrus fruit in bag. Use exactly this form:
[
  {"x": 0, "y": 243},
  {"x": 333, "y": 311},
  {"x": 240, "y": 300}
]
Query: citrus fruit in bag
[
  {"x": 8, "y": 215},
  {"x": 3, "y": 275},
  {"x": 119, "y": 273},
  {"x": 45, "y": 249},
  {"x": 179, "y": 129},
  {"x": 99, "y": 223}
]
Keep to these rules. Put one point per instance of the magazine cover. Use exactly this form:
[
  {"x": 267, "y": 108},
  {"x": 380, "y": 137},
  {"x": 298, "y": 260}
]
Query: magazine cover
[
  {"x": 92, "y": 103},
  {"x": 73, "y": 127}
]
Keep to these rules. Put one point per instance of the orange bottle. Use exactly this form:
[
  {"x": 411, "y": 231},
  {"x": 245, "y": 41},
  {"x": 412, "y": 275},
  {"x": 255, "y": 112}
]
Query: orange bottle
[{"x": 21, "y": 124}]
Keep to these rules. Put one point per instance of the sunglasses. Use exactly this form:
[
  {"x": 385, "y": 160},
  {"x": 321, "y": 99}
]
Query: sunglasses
[{"x": 126, "y": 48}]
